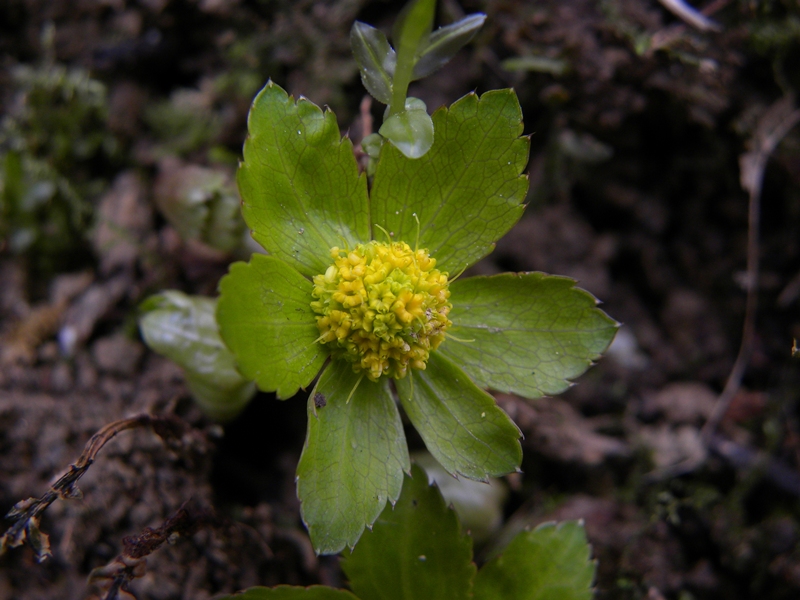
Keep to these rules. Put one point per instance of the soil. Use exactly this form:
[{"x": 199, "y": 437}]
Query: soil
[{"x": 639, "y": 126}]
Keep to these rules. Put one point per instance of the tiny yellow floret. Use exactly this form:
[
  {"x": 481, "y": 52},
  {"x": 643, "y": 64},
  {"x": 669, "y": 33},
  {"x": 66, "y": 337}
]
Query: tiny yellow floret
[{"x": 382, "y": 307}]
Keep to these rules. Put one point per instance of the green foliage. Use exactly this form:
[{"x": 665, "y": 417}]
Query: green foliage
[
  {"x": 386, "y": 72},
  {"x": 296, "y": 165},
  {"x": 444, "y": 43},
  {"x": 468, "y": 191},
  {"x": 49, "y": 140},
  {"x": 462, "y": 426},
  {"x": 203, "y": 204},
  {"x": 529, "y": 333},
  {"x": 302, "y": 195},
  {"x": 410, "y": 131},
  {"x": 285, "y": 592},
  {"x": 417, "y": 549},
  {"x": 61, "y": 119},
  {"x": 353, "y": 459},
  {"x": 320, "y": 304},
  {"x": 376, "y": 58},
  {"x": 40, "y": 211},
  {"x": 183, "y": 328},
  {"x": 266, "y": 320},
  {"x": 479, "y": 506},
  {"x": 549, "y": 563},
  {"x": 185, "y": 122}
]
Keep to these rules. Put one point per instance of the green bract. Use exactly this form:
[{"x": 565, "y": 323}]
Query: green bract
[{"x": 529, "y": 333}]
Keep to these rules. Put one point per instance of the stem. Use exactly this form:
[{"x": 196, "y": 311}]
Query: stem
[{"x": 402, "y": 77}]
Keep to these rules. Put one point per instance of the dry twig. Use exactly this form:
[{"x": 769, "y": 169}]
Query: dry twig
[
  {"x": 779, "y": 119},
  {"x": 690, "y": 15},
  {"x": 28, "y": 513},
  {"x": 773, "y": 126}
]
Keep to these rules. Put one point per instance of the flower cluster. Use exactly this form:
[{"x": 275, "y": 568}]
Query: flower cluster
[{"x": 382, "y": 307}]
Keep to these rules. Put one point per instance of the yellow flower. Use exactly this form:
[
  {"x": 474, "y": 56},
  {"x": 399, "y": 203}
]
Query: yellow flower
[{"x": 382, "y": 307}]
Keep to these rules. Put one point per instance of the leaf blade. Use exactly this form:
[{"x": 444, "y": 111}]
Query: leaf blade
[
  {"x": 376, "y": 60},
  {"x": 299, "y": 182},
  {"x": 445, "y": 42},
  {"x": 411, "y": 131},
  {"x": 462, "y": 426},
  {"x": 467, "y": 191},
  {"x": 547, "y": 563},
  {"x": 532, "y": 332},
  {"x": 353, "y": 458},
  {"x": 265, "y": 318},
  {"x": 183, "y": 328},
  {"x": 413, "y": 27},
  {"x": 416, "y": 549},
  {"x": 291, "y": 592}
]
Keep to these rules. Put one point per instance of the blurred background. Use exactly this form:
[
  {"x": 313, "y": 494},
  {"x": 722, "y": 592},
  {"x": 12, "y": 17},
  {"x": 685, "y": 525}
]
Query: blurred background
[{"x": 663, "y": 137}]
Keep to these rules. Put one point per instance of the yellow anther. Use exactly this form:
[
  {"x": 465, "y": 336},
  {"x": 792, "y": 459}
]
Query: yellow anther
[{"x": 382, "y": 307}]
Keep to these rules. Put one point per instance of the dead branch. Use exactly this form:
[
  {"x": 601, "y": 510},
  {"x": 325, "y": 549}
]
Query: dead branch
[
  {"x": 690, "y": 15},
  {"x": 779, "y": 119},
  {"x": 773, "y": 126},
  {"x": 27, "y": 514}
]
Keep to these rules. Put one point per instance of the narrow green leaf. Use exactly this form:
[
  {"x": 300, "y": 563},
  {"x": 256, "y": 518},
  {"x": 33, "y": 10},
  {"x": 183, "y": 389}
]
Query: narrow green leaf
[
  {"x": 413, "y": 26},
  {"x": 287, "y": 592},
  {"x": 410, "y": 35},
  {"x": 183, "y": 329},
  {"x": 376, "y": 60},
  {"x": 415, "y": 550},
  {"x": 411, "y": 131},
  {"x": 467, "y": 191},
  {"x": 353, "y": 459},
  {"x": 525, "y": 333},
  {"x": 265, "y": 317},
  {"x": 445, "y": 42},
  {"x": 299, "y": 182},
  {"x": 549, "y": 563},
  {"x": 537, "y": 64},
  {"x": 461, "y": 425}
]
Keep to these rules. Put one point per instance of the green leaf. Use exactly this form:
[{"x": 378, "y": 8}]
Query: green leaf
[
  {"x": 461, "y": 425},
  {"x": 537, "y": 64},
  {"x": 183, "y": 329},
  {"x": 201, "y": 204},
  {"x": 527, "y": 333},
  {"x": 411, "y": 131},
  {"x": 467, "y": 191},
  {"x": 414, "y": 25},
  {"x": 299, "y": 182},
  {"x": 265, "y": 317},
  {"x": 353, "y": 459},
  {"x": 376, "y": 60},
  {"x": 549, "y": 563},
  {"x": 445, "y": 42},
  {"x": 410, "y": 35},
  {"x": 479, "y": 506},
  {"x": 372, "y": 144},
  {"x": 286, "y": 592},
  {"x": 415, "y": 550}
]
